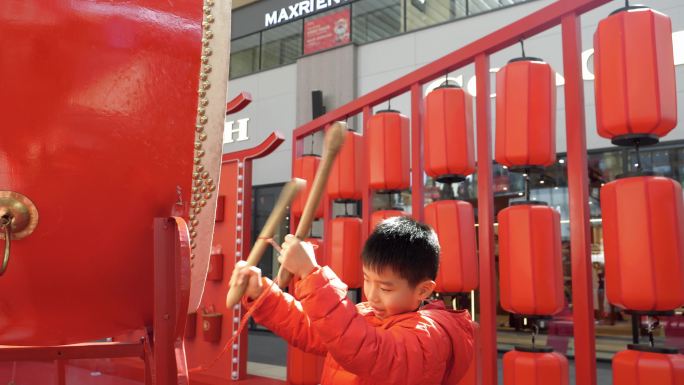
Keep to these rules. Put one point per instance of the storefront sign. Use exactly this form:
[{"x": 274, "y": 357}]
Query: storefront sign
[
  {"x": 239, "y": 130},
  {"x": 298, "y": 9},
  {"x": 327, "y": 31},
  {"x": 587, "y": 68}
]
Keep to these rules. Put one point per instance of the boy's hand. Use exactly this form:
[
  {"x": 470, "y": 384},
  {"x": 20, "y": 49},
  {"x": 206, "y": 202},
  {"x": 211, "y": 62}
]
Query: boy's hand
[
  {"x": 251, "y": 275},
  {"x": 297, "y": 257}
]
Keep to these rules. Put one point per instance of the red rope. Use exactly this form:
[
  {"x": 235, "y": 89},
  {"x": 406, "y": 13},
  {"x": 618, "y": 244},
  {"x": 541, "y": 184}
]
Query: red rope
[{"x": 243, "y": 321}]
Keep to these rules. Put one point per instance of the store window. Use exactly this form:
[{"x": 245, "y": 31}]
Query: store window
[
  {"x": 244, "y": 55},
  {"x": 281, "y": 45},
  {"x": 421, "y": 13},
  {"x": 376, "y": 19},
  {"x": 479, "y": 6}
]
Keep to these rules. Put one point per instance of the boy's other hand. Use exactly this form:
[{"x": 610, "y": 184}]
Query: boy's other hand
[
  {"x": 297, "y": 257},
  {"x": 251, "y": 275}
]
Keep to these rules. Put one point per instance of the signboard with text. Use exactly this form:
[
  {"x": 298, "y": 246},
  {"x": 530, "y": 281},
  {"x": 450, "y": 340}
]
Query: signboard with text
[{"x": 327, "y": 31}]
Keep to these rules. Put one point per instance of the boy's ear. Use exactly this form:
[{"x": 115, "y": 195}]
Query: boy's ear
[{"x": 426, "y": 288}]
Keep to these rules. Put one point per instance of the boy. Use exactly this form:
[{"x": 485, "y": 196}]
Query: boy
[{"x": 390, "y": 339}]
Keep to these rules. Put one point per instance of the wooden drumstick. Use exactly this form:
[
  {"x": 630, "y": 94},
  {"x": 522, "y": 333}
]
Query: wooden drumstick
[
  {"x": 289, "y": 192},
  {"x": 334, "y": 139}
]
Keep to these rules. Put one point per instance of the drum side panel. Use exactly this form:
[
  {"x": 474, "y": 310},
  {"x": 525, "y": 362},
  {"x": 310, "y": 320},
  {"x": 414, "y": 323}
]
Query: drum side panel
[{"x": 98, "y": 101}]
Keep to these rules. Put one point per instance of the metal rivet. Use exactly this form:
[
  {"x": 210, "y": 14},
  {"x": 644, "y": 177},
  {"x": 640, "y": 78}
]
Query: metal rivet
[
  {"x": 207, "y": 10},
  {"x": 210, "y": 181},
  {"x": 210, "y": 18},
  {"x": 195, "y": 189},
  {"x": 211, "y": 188},
  {"x": 208, "y": 51},
  {"x": 206, "y": 85},
  {"x": 199, "y": 168},
  {"x": 205, "y": 42},
  {"x": 207, "y": 68},
  {"x": 199, "y": 128},
  {"x": 206, "y": 25},
  {"x": 197, "y": 210},
  {"x": 193, "y": 234},
  {"x": 204, "y": 75},
  {"x": 201, "y": 111},
  {"x": 204, "y": 102},
  {"x": 205, "y": 175},
  {"x": 203, "y": 203},
  {"x": 210, "y": 3},
  {"x": 202, "y": 93},
  {"x": 198, "y": 145},
  {"x": 203, "y": 136},
  {"x": 193, "y": 204},
  {"x": 208, "y": 34},
  {"x": 195, "y": 175},
  {"x": 192, "y": 216},
  {"x": 195, "y": 222},
  {"x": 204, "y": 59},
  {"x": 207, "y": 195},
  {"x": 193, "y": 245},
  {"x": 192, "y": 256},
  {"x": 199, "y": 153},
  {"x": 203, "y": 189},
  {"x": 198, "y": 182},
  {"x": 197, "y": 161},
  {"x": 197, "y": 197},
  {"x": 203, "y": 119}
]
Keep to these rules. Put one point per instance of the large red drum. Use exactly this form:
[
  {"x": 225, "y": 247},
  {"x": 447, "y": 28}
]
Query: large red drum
[{"x": 112, "y": 115}]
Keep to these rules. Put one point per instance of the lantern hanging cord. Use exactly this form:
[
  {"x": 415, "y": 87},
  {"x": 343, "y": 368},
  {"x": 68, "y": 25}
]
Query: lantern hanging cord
[
  {"x": 638, "y": 156},
  {"x": 535, "y": 331},
  {"x": 389, "y": 104},
  {"x": 527, "y": 184},
  {"x": 522, "y": 46}
]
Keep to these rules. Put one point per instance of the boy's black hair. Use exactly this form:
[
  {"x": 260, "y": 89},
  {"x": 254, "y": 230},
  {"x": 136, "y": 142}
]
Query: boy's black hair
[{"x": 406, "y": 246}]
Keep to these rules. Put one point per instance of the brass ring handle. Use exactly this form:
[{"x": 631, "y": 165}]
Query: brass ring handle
[{"x": 6, "y": 224}]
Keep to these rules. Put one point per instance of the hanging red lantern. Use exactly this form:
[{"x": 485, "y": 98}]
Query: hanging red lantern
[
  {"x": 535, "y": 366},
  {"x": 448, "y": 134},
  {"x": 305, "y": 168},
  {"x": 526, "y": 114},
  {"x": 643, "y": 232},
  {"x": 454, "y": 223},
  {"x": 644, "y": 365},
  {"x": 635, "y": 88},
  {"x": 530, "y": 266},
  {"x": 388, "y": 149},
  {"x": 345, "y": 250},
  {"x": 344, "y": 182},
  {"x": 381, "y": 215}
]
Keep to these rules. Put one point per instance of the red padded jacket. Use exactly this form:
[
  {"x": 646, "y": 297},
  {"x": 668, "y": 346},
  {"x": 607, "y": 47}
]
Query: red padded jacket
[{"x": 431, "y": 346}]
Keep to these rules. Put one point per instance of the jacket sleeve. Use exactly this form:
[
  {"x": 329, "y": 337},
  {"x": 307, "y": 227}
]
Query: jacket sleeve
[
  {"x": 283, "y": 315},
  {"x": 405, "y": 353}
]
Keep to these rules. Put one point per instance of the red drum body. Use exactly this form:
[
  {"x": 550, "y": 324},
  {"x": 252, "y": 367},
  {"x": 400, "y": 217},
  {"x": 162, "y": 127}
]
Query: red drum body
[{"x": 99, "y": 101}]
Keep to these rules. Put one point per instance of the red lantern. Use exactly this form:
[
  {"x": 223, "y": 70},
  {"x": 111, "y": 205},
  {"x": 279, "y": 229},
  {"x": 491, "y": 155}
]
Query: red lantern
[
  {"x": 211, "y": 326},
  {"x": 345, "y": 180},
  {"x": 643, "y": 365},
  {"x": 643, "y": 232},
  {"x": 526, "y": 114},
  {"x": 448, "y": 134},
  {"x": 540, "y": 366},
  {"x": 388, "y": 151},
  {"x": 303, "y": 368},
  {"x": 636, "y": 95},
  {"x": 454, "y": 223},
  {"x": 345, "y": 250},
  {"x": 305, "y": 168},
  {"x": 381, "y": 215},
  {"x": 531, "y": 274}
]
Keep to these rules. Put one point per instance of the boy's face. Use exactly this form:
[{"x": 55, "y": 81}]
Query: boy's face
[{"x": 390, "y": 294}]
